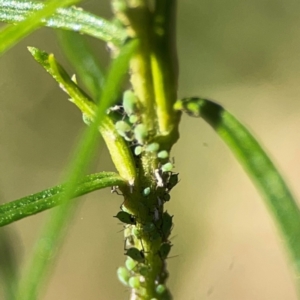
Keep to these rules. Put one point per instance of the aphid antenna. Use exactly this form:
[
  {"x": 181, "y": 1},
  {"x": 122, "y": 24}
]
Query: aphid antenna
[{"x": 115, "y": 190}]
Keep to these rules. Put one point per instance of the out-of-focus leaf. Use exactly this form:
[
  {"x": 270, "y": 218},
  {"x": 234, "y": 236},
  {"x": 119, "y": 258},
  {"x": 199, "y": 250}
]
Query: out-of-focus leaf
[
  {"x": 258, "y": 165},
  {"x": 73, "y": 18},
  {"x": 35, "y": 203},
  {"x": 43, "y": 255},
  {"x": 11, "y": 34},
  {"x": 86, "y": 65}
]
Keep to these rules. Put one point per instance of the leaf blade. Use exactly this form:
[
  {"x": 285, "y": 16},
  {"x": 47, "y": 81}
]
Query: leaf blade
[
  {"x": 258, "y": 165},
  {"x": 41, "y": 201},
  {"x": 10, "y": 35},
  {"x": 73, "y": 18}
]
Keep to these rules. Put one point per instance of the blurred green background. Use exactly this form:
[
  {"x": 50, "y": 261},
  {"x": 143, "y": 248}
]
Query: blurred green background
[{"x": 243, "y": 54}]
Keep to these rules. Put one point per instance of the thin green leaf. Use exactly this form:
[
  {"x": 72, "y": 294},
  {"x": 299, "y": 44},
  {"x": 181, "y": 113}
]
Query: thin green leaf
[
  {"x": 10, "y": 35},
  {"x": 85, "y": 63},
  {"x": 56, "y": 225},
  {"x": 35, "y": 203},
  {"x": 9, "y": 265},
  {"x": 257, "y": 164},
  {"x": 73, "y": 18},
  {"x": 121, "y": 154}
]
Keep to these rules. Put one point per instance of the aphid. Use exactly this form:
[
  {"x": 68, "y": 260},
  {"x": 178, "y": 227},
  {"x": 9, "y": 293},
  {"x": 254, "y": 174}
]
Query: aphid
[
  {"x": 159, "y": 180},
  {"x": 166, "y": 224},
  {"x": 129, "y": 102},
  {"x": 160, "y": 289},
  {"x": 166, "y": 197},
  {"x": 163, "y": 154},
  {"x": 138, "y": 150},
  {"x": 133, "y": 119},
  {"x": 146, "y": 191},
  {"x": 164, "y": 250},
  {"x": 124, "y": 130},
  {"x": 136, "y": 254},
  {"x": 134, "y": 282},
  {"x": 172, "y": 181},
  {"x": 153, "y": 147},
  {"x": 126, "y": 217},
  {"x": 151, "y": 230},
  {"x": 130, "y": 263},
  {"x": 168, "y": 167},
  {"x": 86, "y": 119},
  {"x": 123, "y": 275},
  {"x": 140, "y": 133}
]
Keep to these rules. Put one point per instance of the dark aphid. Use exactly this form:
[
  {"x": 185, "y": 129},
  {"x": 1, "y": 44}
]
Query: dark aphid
[
  {"x": 166, "y": 224},
  {"x": 166, "y": 197},
  {"x": 172, "y": 181},
  {"x": 136, "y": 254},
  {"x": 164, "y": 250},
  {"x": 126, "y": 217}
]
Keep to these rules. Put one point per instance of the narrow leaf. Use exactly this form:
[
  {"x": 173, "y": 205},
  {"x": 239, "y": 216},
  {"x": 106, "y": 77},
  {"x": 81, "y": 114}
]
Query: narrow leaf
[
  {"x": 257, "y": 164},
  {"x": 86, "y": 65},
  {"x": 9, "y": 265},
  {"x": 35, "y": 203},
  {"x": 73, "y": 18},
  {"x": 52, "y": 234},
  {"x": 10, "y": 35}
]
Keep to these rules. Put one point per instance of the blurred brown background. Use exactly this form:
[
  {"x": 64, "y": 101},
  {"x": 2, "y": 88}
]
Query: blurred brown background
[{"x": 243, "y": 54}]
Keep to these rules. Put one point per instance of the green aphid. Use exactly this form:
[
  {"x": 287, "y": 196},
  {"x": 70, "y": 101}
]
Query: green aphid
[
  {"x": 167, "y": 223},
  {"x": 141, "y": 133},
  {"x": 164, "y": 250},
  {"x": 130, "y": 263},
  {"x": 160, "y": 289},
  {"x": 138, "y": 150},
  {"x": 153, "y": 147},
  {"x": 123, "y": 275},
  {"x": 163, "y": 154},
  {"x": 134, "y": 282},
  {"x": 172, "y": 181},
  {"x": 129, "y": 102},
  {"x": 133, "y": 119},
  {"x": 136, "y": 254},
  {"x": 126, "y": 217},
  {"x": 143, "y": 270},
  {"x": 168, "y": 167},
  {"x": 124, "y": 130},
  {"x": 146, "y": 191}
]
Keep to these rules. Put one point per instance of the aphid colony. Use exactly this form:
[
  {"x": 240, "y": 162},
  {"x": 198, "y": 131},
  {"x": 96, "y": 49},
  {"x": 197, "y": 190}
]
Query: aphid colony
[
  {"x": 133, "y": 131},
  {"x": 158, "y": 227}
]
